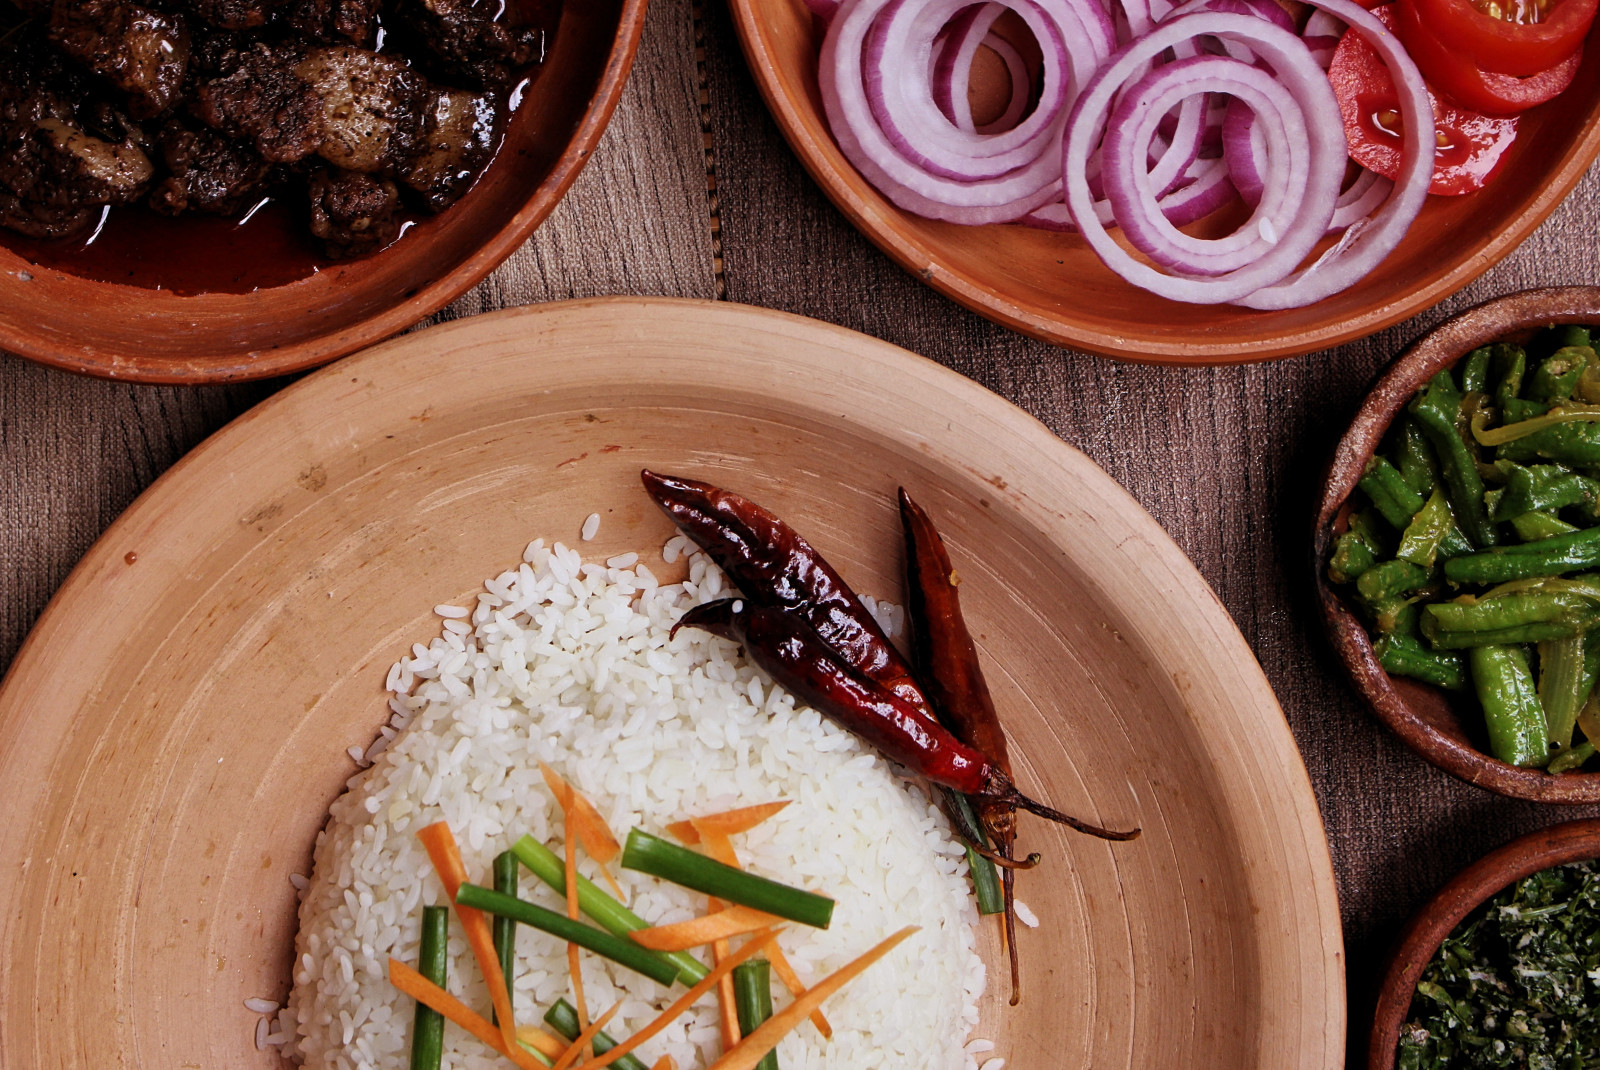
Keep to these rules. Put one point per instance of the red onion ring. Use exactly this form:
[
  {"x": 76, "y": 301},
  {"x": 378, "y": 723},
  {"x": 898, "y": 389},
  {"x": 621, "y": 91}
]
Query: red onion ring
[{"x": 952, "y": 70}]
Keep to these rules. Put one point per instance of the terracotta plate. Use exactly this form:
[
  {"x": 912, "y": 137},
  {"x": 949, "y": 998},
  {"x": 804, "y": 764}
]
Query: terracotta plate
[
  {"x": 174, "y": 729},
  {"x": 1053, "y": 287},
  {"x": 160, "y": 336}
]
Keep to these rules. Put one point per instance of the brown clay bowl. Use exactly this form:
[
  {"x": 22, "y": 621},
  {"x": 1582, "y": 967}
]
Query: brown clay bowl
[
  {"x": 1054, "y": 288},
  {"x": 1574, "y": 841},
  {"x": 1448, "y": 734},
  {"x": 161, "y": 336}
]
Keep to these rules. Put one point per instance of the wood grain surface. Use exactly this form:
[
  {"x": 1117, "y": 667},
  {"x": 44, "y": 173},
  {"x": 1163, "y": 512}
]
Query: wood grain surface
[{"x": 1226, "y": 459}]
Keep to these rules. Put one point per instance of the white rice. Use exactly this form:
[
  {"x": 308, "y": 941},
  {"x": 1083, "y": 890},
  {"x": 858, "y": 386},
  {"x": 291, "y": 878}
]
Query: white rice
[{"x": 570, "y": 663}]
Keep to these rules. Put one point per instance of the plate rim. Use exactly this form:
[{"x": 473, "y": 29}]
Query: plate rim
[
  {"x": 827, "y": 167},
  {"x": 1317, "y": 928}
]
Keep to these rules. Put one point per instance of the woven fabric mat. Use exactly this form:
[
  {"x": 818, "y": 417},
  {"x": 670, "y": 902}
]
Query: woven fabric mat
[{"x": 694, "y": 193}]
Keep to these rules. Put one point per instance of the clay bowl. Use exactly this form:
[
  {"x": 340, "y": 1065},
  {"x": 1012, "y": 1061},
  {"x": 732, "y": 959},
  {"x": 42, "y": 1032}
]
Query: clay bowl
[
  {"x": 161, "y": 336},
  {"x": 1574, "y": 841},
  {"x": 1052, "y": 287},
  {"x": 174, "y": 730},
  {"x": 1448, "y": 734}
]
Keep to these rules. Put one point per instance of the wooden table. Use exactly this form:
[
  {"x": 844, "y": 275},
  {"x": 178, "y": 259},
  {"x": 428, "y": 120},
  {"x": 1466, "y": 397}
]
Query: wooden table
[{"x": 1226, "y": 459}]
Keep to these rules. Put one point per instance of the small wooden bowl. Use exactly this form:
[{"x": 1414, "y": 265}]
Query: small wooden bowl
[
  {"x": 1448, "y": 735},
  {"x": 158, "y": 336},
  {"x": 1574, "y": 841},
  {"x": 1052, "y": 286}
]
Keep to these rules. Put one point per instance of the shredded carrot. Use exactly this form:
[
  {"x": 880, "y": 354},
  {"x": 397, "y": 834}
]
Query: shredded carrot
[
  {"x": 440, "y": 843},
  {"x": 585, "y": 1038},
  {"x": 551, "y": 1047},
  {"x": 687, "y": 1000},
  {"x": 573, "y": 965},
  {"x": 424, "y": 991},
  {"x": 665, "y": 1063},
  {"x": 685, "y": 833},
  {"x": 697, "y": 932},
  {"x": 749, "y": 1051},
  {"x": 720, "y": 847},
  {"x": 733, "y": 822},
  {"x": 585, "y": 822}
]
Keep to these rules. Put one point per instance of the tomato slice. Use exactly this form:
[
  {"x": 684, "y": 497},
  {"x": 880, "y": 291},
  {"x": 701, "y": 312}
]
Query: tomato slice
[
  {"x": 1471, "y": 146},
  {"x": 1495, "y": 44},
  {"x": 1464, "y": 83}
]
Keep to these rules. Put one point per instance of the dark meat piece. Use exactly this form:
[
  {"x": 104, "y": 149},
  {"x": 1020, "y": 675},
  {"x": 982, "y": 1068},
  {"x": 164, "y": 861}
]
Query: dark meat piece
[
  {"x": 456, "y": 144},
  {"x": 353, "y": 214},
  {"x": 40, "y": 220},
  {"x": 255, "y": 94},
  {"x": 141, "y": 52},
  {"x": 462, "y": 42},
  {"x": 371, "y": 107},
  {"x": 235, "y": 14},
  {"x": 208, "y": 173},
  {"x": 337, "y": 21}
]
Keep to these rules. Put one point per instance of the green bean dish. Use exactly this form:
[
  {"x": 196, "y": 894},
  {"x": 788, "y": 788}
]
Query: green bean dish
[
  {"x": 1517, "y": 984},
  {"x": 1472, "y": 547}
]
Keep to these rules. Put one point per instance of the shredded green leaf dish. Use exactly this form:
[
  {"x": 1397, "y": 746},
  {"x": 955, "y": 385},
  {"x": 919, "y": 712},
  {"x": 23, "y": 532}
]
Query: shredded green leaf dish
[{"x": 1517, "y": 984}]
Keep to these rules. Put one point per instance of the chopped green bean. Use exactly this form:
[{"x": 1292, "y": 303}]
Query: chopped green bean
[
  {"x": 1438, "y": 411},
  {"x": 1413, "y": 456},
  {"x": 1572, "y": 758},
  {"x": 1475, "y": 370},
  {"x": 618, "y": 949},
  {"x": 1576, "y": 442},
  {"x": 1396, "y": 616},
  {"x": 752, "y": 1000},
  {"x": 1516, "y": 721},
  {"x": 563, "y": 1018},
  {"x": 1432, "y": 532},
  {"x": 601, "y": 908},
  {"x": 1508, "y": 363},
  {"x": 1389, "y": 492},
  {"x": 1352, "y": 555},
  {"x": 660, "y": 858},
  {"x": 1509, "y": 611},
  {"x": 1546, "y": 557},
  {"x": 1390, "y": 580},
  {"x": 1404, "y": 656},
  {"x": 433, "y": 959},
  {"x": 1557, "y": 375},
  {"x": 505, "y": 929}
]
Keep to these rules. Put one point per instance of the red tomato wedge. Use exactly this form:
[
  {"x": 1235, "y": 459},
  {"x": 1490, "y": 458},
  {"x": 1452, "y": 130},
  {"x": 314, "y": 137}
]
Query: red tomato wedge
[
  {"x": 1521, "y": 48},
  {"x": 1471, "y": 146},
  {"x": 1455, "y": 76}
]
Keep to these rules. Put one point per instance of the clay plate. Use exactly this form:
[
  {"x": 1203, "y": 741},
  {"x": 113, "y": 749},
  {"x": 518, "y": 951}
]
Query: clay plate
[
  {"x": 157, "y": 336},
  {"x": 1449, "y": 736},
  {"x": 174, "y": 729},
  {"x": 1052, "y": 286},
  {"x": 1575, "y": 841}
]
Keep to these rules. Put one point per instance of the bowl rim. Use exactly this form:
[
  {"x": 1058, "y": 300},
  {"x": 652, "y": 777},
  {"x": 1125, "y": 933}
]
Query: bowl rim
[
  {"x": 329, "y": 346},
  {"x": 1571, "y": 841},
  {"x": 870, "y": 213},
  {"x": 1440, "y": 348}
]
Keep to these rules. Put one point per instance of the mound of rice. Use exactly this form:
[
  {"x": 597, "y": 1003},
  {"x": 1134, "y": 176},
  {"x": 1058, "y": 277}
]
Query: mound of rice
[{"x": 571, "y": 663}]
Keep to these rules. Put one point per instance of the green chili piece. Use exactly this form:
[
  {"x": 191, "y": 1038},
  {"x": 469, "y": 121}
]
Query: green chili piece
[
  {"x": 427, "y": 1026},
  {"x": 601, "y": 908},
  {"x": 752, "y": 999},
  {"x": 505, "y": 929},
  {"x": 563, "y": 1018},
  {"x": 618, "y": 949},
  {"x": 1404, "y": 656},
  {"x": 1438, "y": 411},
  {"x": 1475, "y": 370},
  {"x": 1432, "y": 532},
  {"x": 1511, "y": 707},
  {"x": 1557, "y": 375},
  {"x": 1531, "y": 527},
  {"x": 1508, "y": 363},
  {"x": 1561, "y": 686},
  {"x": 1389, "y": 492},
  {"x": 1546, "y": 557},
  {"x": 661, "y": 858},
  {"x": 1509, "y": 610},
  {"x": 1390, "y": 580},
  {"x": 1572, "y": 758},
  {"x": 1413, "y": 456}
]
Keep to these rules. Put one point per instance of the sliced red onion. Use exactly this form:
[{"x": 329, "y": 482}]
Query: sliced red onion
[
  {"x": 1245, "y": 150},
  {"x": 822, "y": 9},
  {"x": 1208, "y": 190},
  {"x": 842, "y": 80},
  {"x": 1366, "y": 243},
  {"x": 1369, "y": 190},
  {"x": 952, "y": 69},
  {"x": 1262, "y": 9},
  {"x": 1299, "y": 94},
  {"x": 1321, "y": 35}
]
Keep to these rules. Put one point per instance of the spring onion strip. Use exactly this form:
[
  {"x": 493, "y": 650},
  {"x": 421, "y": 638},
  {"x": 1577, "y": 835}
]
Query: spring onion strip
[
  {"x": 619, "y": 950},
  {"x": 662, "y": 858},
  {"x": 563, "y": 1018}
]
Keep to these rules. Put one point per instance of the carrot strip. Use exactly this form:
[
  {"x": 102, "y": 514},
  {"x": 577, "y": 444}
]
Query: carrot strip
[
  {"x": 573, "y": 964},
  {"x": 727, "y": 1002},
  {"x": 586, "y": 823},
  {"x": 549, "y": 1046},
  {"x": 697, "y": 932},
  {"x": 687, "y": 1000},
  {"x": 665, "y": 1063},
  {"x": 750, "y": 1050},
  {"x": 685, "y": 833},
  {"x": 440, "y": 844},
  {"x": 720, "y": 847},
  {"x": 424, "y": 991},
  {"x": 585, "y": 1038},
  {"x": 733, "y": 822}
]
